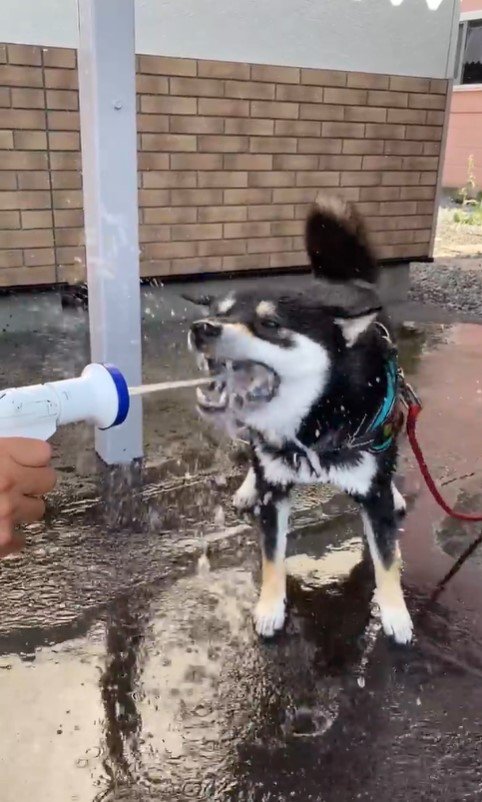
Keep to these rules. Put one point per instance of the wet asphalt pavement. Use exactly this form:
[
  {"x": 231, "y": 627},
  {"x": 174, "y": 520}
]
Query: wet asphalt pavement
[{"x": 129, "y": 669}]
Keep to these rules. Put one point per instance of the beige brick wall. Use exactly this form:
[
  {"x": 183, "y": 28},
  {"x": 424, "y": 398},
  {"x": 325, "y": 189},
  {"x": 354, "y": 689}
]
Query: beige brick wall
[{"x": 230, "y": 156}]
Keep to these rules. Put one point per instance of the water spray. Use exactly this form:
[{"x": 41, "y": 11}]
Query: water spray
[{"x": 99, "y": 396}]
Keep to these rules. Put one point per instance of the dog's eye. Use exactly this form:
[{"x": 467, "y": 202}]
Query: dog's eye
[{"x": 270, "y": 323}]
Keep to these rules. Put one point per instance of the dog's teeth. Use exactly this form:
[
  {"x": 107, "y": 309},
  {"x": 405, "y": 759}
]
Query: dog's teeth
[
  {"x": 207, "y": 402},
  {"x": 200, "y": 396},
  {"x": 202, "y": 362}
]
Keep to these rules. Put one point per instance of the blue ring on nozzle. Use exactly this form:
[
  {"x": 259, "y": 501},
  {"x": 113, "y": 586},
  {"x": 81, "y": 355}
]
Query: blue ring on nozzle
[{"x": 122, "y": 394}]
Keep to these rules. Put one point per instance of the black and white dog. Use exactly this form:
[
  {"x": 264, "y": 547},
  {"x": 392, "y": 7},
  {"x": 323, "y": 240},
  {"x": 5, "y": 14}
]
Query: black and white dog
[{"x": 311, "y": 378}]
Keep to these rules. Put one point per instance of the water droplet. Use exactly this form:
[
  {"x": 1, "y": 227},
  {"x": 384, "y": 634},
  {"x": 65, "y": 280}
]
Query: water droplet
[
  {"x": 219, "y": 517},
  {"x": 203, "y": 566}
]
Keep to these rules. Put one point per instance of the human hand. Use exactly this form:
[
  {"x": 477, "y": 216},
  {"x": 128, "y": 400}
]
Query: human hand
[{"x": 25, "y": 475}]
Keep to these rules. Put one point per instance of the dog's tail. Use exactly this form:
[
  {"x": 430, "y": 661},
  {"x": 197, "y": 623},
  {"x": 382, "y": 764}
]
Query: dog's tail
[{"x": 337, "y": 242}]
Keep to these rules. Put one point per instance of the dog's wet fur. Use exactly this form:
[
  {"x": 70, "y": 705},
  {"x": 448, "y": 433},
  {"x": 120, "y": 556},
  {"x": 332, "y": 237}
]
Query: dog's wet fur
[{"x": 329, "y": 353}]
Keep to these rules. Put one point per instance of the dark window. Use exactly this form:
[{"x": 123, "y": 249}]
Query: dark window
[
  {"x": 468, "y": 59},
  {"x": 472, "y": 65},
  {"x": 460, "y": 41}
]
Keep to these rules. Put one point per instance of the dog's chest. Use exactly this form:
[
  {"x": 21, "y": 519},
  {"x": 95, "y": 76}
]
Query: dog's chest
[{"x": 291, "y": 466}]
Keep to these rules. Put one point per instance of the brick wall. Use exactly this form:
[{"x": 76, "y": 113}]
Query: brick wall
[{"x": 230, "y": 155}]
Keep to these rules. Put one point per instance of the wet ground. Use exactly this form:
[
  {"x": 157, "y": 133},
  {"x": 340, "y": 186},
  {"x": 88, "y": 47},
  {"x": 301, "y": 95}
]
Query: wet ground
[{"x": 129, "y": 670}]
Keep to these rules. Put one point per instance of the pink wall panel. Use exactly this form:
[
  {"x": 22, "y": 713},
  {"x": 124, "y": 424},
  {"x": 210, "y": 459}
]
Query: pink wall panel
[
  {"x": 471, "y": 5},
  {"x": 464, "y": 138}
]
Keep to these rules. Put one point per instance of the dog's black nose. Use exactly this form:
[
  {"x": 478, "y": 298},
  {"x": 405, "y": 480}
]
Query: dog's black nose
[{"x": 205, "y": 330}]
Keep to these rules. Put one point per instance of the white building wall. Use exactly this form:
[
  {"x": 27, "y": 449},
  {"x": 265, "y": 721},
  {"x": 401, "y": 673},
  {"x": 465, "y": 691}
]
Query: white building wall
[{"x": 359, "y": 35}]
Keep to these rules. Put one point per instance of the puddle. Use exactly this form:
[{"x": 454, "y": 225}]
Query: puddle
[{"x": 128, "y": 661}]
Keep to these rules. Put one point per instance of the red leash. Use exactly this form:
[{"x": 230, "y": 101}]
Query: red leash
[{"x": 414, "y": 408}]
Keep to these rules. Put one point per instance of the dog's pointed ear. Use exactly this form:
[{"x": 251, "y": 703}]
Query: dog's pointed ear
[
  {"x": 199, "y": 300},
  {"x": 354, "y": 307},
  {"x": 353, "y": 327}
]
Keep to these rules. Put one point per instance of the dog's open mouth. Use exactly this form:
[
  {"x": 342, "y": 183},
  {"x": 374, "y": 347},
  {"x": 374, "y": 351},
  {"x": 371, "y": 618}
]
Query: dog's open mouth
[{"x": 237, "y": 385}]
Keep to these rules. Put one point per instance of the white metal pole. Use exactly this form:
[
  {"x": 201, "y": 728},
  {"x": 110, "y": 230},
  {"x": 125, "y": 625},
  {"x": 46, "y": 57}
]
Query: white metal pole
[{"x": 109, "y": 168}]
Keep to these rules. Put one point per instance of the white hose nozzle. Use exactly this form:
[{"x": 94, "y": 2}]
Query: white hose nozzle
[{"x": 99, "y": 396}]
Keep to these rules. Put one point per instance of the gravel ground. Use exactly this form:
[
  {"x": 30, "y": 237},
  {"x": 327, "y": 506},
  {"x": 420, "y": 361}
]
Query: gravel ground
[
  {"x": 447, "y": 284},
  {"x": 454, "y": 279}
]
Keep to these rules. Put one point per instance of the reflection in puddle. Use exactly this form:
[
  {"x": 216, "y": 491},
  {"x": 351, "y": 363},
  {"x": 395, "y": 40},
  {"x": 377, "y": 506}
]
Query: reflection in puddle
[
  {"x": 333, "y": 566},
  {"x": 166, "y": 717},
  {"x": 192, "y": 691}
]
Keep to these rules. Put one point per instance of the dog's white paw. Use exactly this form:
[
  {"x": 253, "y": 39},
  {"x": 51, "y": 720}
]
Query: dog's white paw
[
  {"x": 269, "y": 616},
  {"x": 244, "y": 502},
  {"x": 246, "y": 496},
  {"x": 396, "y": 623}
]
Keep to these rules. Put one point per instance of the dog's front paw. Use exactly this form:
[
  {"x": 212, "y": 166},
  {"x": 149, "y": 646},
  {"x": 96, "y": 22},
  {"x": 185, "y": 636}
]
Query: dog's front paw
[
  {"x": 244, "y": 502},
  {"x": 396, "y": 623},
  {"x": 269, "y": 615}
]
